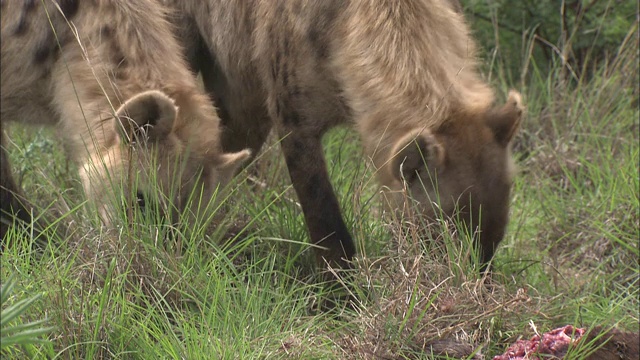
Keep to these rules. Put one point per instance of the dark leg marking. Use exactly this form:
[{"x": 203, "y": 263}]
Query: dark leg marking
[
  {"x": 117, "y": 55},
  {"x": 30, "y": 5},
  {"x": 22, "y": 27},
  {"x": 320, "y": 28},
  {"x": 69, "y": 7},
  {"x": 23, "y": 23},
  {"x": 45, "y": 50}
]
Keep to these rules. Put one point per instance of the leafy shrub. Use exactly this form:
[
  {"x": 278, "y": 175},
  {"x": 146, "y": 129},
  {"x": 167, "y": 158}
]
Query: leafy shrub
[{"x": 582, "y": 33}]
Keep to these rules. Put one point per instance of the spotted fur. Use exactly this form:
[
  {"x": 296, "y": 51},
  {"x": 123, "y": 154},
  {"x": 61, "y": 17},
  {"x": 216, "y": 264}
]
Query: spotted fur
[
  {"x": 403, "y": 73},
  {"x": 110, "y": 77}
]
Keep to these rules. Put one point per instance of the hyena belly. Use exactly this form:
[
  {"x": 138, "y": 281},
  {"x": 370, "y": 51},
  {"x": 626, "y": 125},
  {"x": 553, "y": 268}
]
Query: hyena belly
[
  {"x": 403, "y": 72},
  {"x": 109, "y": 75}
]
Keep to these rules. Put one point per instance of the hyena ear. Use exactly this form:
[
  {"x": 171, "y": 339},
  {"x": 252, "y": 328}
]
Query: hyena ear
[
  {"x": 148, "y": 116},
  {"x": 416, "y": 151},
  {"x": 505, "y": 121},
  {"x": 229, "y": 163}
]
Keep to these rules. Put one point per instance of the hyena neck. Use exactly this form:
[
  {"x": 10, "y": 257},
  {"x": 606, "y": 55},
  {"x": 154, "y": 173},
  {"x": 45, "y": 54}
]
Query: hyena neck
[
  {"x": 381, "y": 142},
  {"x": 414, "y": 58},
  {"x": 416, "y": 68}
]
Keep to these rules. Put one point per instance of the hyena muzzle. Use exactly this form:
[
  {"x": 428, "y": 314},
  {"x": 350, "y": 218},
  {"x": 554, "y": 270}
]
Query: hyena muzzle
[
  {"x": 402, "y": 72},
  {"x": 110, "y": 77}
]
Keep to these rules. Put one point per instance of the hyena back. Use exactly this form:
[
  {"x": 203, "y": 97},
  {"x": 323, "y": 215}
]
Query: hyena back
[
  {"x": 402, "y": 72},
  {"x": 110, "y": 77}
]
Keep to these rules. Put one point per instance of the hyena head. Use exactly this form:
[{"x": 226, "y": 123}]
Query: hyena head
[
  {"x": 156, "y": 167},
  {"x": 463, "y": 169}
]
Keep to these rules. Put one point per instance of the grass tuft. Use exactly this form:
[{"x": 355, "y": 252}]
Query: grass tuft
[{"x": 241, "y": 283}]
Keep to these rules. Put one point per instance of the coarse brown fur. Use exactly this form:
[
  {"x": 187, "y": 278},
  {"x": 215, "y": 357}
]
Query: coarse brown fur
[
  {"x": 110, "y": 77},
  {"x": 402, "y": 72},
  {"x": 613, "y": 344}
]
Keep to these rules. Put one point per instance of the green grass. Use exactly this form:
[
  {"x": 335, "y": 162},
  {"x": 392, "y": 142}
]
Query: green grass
[{"x": 247, "y": 287}]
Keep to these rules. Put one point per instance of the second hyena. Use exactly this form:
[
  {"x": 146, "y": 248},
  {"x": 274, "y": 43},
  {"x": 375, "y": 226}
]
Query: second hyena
[
  {"x": 110, "y": 77},
  {"x": 402, "y": 72}
]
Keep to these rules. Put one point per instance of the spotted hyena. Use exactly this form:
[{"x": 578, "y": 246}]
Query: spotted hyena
[
  {"x": 109, "y": 75},
  {"x": 403, "y": 73}
]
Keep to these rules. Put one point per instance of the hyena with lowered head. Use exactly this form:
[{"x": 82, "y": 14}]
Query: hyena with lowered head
[
  {"x": 402, "y": 72},
  {"x": 109, "y": 75}
]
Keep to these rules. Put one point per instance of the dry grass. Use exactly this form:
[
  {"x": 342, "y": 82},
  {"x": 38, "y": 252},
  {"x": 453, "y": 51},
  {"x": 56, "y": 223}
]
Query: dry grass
[{"x": 245, "y": 288}]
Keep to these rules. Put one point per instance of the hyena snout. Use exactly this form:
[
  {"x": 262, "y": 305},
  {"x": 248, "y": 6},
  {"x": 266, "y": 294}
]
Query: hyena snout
[{"x": 463, "y": 170}]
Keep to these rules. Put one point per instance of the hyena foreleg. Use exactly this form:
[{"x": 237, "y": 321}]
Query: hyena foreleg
[
  {"x": 334, "y": 247},
  {"x": 14, "y": 207}
]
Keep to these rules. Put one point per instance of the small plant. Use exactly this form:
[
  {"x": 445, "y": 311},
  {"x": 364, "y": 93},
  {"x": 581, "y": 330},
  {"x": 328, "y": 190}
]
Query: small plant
[{"x": 20, "y": 334}]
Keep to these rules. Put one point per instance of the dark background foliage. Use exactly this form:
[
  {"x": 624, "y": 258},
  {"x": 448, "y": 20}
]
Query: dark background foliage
[{"x": 579, "y": 33}]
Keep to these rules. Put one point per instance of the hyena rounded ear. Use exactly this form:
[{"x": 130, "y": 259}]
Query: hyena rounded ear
[
  {"x": 227, "y": 165},
  {"x": 231, "y": 162},
  {"x": 148, "y": 116},
  {"x": 505, "y": 121},
  {"x": 414, "y": 152}
]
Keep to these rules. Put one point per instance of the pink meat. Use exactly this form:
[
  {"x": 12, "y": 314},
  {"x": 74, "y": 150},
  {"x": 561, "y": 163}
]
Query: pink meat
[{"x": 555, "y": 342}]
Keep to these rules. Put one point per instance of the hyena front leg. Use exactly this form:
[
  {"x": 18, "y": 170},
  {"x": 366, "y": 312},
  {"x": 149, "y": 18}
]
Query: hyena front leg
[
  {"x": 14, "y": 208},
  {"x": 308, "y": 171}
]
